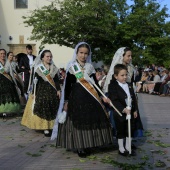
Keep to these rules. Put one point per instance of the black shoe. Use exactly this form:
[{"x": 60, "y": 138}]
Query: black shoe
[
  {"x": 81, "y": 153},
  {"x": 133, "y": 153},
  {"x": 125, "y": 153},
  {"x": 88, "y": 151},
  {"x": 133, "y": 147}
]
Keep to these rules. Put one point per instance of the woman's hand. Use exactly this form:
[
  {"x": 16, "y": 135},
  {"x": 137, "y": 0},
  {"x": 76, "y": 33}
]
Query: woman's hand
[
  {"x": 135, "y": 114},
  {"x": 65, "y": 106},
  {"x": 59, "y": 94},
  {"x": 33, "y": 97}
]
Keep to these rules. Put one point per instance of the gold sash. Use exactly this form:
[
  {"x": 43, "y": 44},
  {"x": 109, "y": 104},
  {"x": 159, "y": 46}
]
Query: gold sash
[
  {"x": 2, "y": 71},
  {"x": 7, "y": 76},
  {"x": 93, "y": 92},
  {"x": 87, "y": 86},
  {"x": 51, "y": 81}
]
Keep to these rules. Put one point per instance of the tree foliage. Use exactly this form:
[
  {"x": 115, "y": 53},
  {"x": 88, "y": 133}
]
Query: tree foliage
[{"x": 106, "y": 25}]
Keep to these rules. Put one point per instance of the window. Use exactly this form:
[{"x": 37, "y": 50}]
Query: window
[{"x": 21, "y": 4}]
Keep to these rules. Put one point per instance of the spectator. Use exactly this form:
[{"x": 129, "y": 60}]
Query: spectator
[
  {"x": 142, "y": 81},
  {"x": 149, "y": 85},
  {"x": 98, "y": 74},
  {"x": 161, "y": 90},
  {"x": 158, "y": 84}
]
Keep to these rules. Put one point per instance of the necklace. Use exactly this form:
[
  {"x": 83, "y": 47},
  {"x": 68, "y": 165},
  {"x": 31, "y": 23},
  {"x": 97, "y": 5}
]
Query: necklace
[
  {"x": 81, "y": 66},
  {"x": 47, "y": 66}
]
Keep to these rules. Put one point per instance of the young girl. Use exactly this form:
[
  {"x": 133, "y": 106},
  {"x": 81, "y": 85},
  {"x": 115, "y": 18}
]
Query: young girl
[
  {"x": 87, "y": 124},
  {"x": 118, "y": 92},
  {"x": 41, "y": 114}
]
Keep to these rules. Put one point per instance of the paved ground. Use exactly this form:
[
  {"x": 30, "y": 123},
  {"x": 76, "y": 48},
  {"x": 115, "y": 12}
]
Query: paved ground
[{"x": 24, "y": 149}]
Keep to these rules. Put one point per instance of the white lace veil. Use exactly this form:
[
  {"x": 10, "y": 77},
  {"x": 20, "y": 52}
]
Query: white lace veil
[
  {"x": 8, "y": 69},
  {"x": 35, "y": 66},
  {"x": 36, "y": 62},
  {"x": 88, "y": 60},
  {"x": 117, "y": 59}
]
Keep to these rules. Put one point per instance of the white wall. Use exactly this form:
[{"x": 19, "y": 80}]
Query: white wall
[{"x": 11, "y": 24}]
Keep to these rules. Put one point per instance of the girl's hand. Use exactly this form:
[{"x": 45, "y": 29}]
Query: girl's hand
[
  {"x": 65, "y": 106},
  {"x": 106, "y": 100},
  {"x": 59, "y": 94},
  {"x": 135, "y": 114}
]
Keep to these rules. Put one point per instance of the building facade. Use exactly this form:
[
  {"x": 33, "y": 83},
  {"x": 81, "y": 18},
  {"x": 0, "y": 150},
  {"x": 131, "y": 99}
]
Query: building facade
[{"x": 14, "y": 36}]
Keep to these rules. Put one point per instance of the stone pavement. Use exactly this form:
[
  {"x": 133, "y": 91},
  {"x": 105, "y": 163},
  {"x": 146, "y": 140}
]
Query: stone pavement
[{"x": 24, "y": 149}]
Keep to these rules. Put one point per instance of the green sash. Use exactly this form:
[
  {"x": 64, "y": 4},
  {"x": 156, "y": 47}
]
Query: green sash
[{"x": 46, "y": 73}]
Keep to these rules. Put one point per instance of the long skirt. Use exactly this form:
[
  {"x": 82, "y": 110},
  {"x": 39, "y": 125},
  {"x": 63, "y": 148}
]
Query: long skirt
[
  {"x": 33, "y": 121},
  {"x": 86, "y": 124},
  {"x": 9, "y": 98}
]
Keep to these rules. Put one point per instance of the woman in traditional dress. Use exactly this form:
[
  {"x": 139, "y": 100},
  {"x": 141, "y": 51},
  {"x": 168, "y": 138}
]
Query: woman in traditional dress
[
  {"x": 42, "y": 106},
  {"x": 124, "y": 56},
  {"x": 9, "y": 98},
  {"x": 18, "y": 78},
  {"x": 87, "y": 124}
]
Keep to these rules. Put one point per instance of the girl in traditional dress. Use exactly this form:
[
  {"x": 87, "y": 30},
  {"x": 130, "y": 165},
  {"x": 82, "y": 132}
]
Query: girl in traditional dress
[
  {"x": 9, "y": 98},
  {"x": 42, "y": 106},
  {"x": 87, "y": 124}
]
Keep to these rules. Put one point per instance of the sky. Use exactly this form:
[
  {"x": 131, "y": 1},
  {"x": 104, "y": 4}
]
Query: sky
[{"x": 162, "y": 2}]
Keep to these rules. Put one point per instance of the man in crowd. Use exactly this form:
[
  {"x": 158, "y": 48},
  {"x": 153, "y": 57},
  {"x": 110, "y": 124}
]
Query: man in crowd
[{"x": 25, "y": 65}]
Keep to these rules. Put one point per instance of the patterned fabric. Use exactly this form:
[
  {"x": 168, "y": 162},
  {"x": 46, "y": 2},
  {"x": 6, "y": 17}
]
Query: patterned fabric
[
  {"x": 46, "y": 101},
  {"x": 32, "y": 121},
  {"x": 9, "y": 99},
  {"x": 88, "y": 69},
  {"x": 45, "y": 108}
]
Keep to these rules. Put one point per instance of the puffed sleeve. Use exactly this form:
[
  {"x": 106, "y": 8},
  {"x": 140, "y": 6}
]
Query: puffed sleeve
[
  {"x": 70, "y": 80},
  {"x": 57, "y": 83}
]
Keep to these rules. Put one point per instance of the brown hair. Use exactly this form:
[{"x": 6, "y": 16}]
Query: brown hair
[
  {"x": 85, "y": 46},
  {"x": 118, "y": 68}
]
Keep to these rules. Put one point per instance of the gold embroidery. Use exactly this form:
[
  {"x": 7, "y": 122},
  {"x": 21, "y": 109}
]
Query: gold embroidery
[
  {"x": 93, "y": 92},
  {"x": 51, "y": 81},
  {"x": 7, "y": 76}
]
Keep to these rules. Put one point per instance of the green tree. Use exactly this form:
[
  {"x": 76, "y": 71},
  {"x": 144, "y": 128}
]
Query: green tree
[
  {"x": 150, "y": 32},
  {"x": 106, "y": 25}
]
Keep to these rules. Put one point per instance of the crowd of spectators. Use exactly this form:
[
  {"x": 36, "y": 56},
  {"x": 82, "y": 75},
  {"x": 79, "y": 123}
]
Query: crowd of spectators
[{"x": 154, "y": 80}]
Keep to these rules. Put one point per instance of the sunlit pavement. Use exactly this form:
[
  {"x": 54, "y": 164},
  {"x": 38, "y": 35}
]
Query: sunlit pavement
[{"x": 22, "y": 148}]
